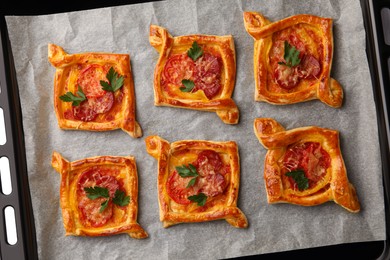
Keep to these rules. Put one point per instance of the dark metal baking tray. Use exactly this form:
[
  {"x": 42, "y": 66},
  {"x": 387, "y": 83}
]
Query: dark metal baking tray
[{"x": 376, "y": 14}]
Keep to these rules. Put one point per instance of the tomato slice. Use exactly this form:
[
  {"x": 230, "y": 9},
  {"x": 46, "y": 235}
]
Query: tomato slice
[
  {"x": 177, "y": 68},
  {"x": 89, "y": 80},
  {"x": 208, "y": 75},
  {"x": 309, "y": 157},
  {"x": 90, "y": 212},
  {"x": 177, "y": 188},
  {"x": 90, "y": 209}
]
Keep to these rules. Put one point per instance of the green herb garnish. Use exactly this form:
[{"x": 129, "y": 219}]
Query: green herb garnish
[
  {"x": 120, "y": 199},
  {"x": 76, "y": 100},
  {"x": 115, "y": 81},
  {"x": 188, "y": 85},
  {"x": 188, "y": 171},
  {"x": 291, "y": 55},
  {"x": 198, "y": 198},
  {"x": 195, "y": 52},
  {"x": 103, "y": 206},
  {"x": 300, "y": 179},
  {"x": 95, "y": 192}
]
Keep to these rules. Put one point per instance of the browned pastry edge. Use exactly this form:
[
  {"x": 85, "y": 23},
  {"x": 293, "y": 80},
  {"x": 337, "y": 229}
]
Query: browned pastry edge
[
  {"x": 223, "y": 105},
  {"x": 71, "y": 221},
  {"x": 161, "y": 150},
  {"x": 326, "y": 89},
  {"x": 124, "y": 119},
  {"x": 276, "y": 139}
]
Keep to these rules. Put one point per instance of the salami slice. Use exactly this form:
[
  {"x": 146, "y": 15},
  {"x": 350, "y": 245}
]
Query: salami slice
[
  {"x": 208, "y": 162},
  {"x": 90, "y": 108},
  {"x": 309, "y": 68},
  {"x": 208, "y": 75},
  {"x": 212, "y": 185},
  {"x": 85, "y": 111}
]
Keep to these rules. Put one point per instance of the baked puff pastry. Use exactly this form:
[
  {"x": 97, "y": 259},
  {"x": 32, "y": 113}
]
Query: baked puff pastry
[
  {"x": 197, "y": 181},
  {"x": 93, "y": 91},
  {"x": 99, "y": 196},
  {"x": 304, "y": 166},
  {"x": 293, "y": 59},
  {"x": 195, "y": 72}
]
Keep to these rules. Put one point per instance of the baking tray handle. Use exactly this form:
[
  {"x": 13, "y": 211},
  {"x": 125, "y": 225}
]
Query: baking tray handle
[{"x": 25, "y": 246}]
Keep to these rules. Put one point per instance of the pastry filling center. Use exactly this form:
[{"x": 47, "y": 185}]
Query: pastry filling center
[
  {"x": 310, "y": 160},
  {"x": 207, "y": 177},
  {"x": 205, "y": 73}
]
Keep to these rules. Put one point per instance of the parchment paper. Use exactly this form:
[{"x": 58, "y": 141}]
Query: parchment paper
[{"x": 125, "y": 29}]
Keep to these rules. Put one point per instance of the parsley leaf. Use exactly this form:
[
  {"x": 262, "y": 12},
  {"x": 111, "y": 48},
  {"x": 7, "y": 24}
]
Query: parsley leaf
[
  {"x": 300, "y": 179},
  {"x": 100, "y": 192},
  {"x": 76, "y": 100},
  {"x": 199, "y": 198},
  {"x": 195, "y": 52},
  {"x": 185, "y": 171},
  {"x": 189, "y": 171},
  {"x": 188, "y": 85},
  {"x": 120, "y": 199},
  {"x": 115, "y": 81},
  {"x": 291, "y": 55},
  {"x": 96, "y": 192},
  {"x": 191, "y": 182},
  {"x": 103, "y": 206}
]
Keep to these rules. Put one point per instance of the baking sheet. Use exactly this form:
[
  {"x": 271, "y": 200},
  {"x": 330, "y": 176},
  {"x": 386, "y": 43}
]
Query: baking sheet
[{"x": 272, "y": 228}]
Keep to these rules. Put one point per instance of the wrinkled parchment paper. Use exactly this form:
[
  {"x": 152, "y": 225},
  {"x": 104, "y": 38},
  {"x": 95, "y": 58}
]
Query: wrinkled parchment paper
[{"x": 272, "y": 228}]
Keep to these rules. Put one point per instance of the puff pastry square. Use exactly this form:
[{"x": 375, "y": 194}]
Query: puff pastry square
[
  {"x": 85, "y": 216},
  {"x": 302, "y": 75},
  {"x": 304, "y": 166},
  {"x": 216, "y": 181},
  {"x": 212, "y": 74},
  {"x": 102, "y": 110}
]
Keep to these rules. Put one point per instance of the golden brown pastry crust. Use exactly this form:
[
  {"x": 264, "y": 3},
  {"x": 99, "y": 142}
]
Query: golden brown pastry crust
[
  {"x": 67, "y": 70},
  {"x": 222, "y": 103},
  {"x": 323, "y": 87},
  {"x": 334, "y": 186},
  {"x": 124, "y": 222},
  {"x": 223, "y": 206}
]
